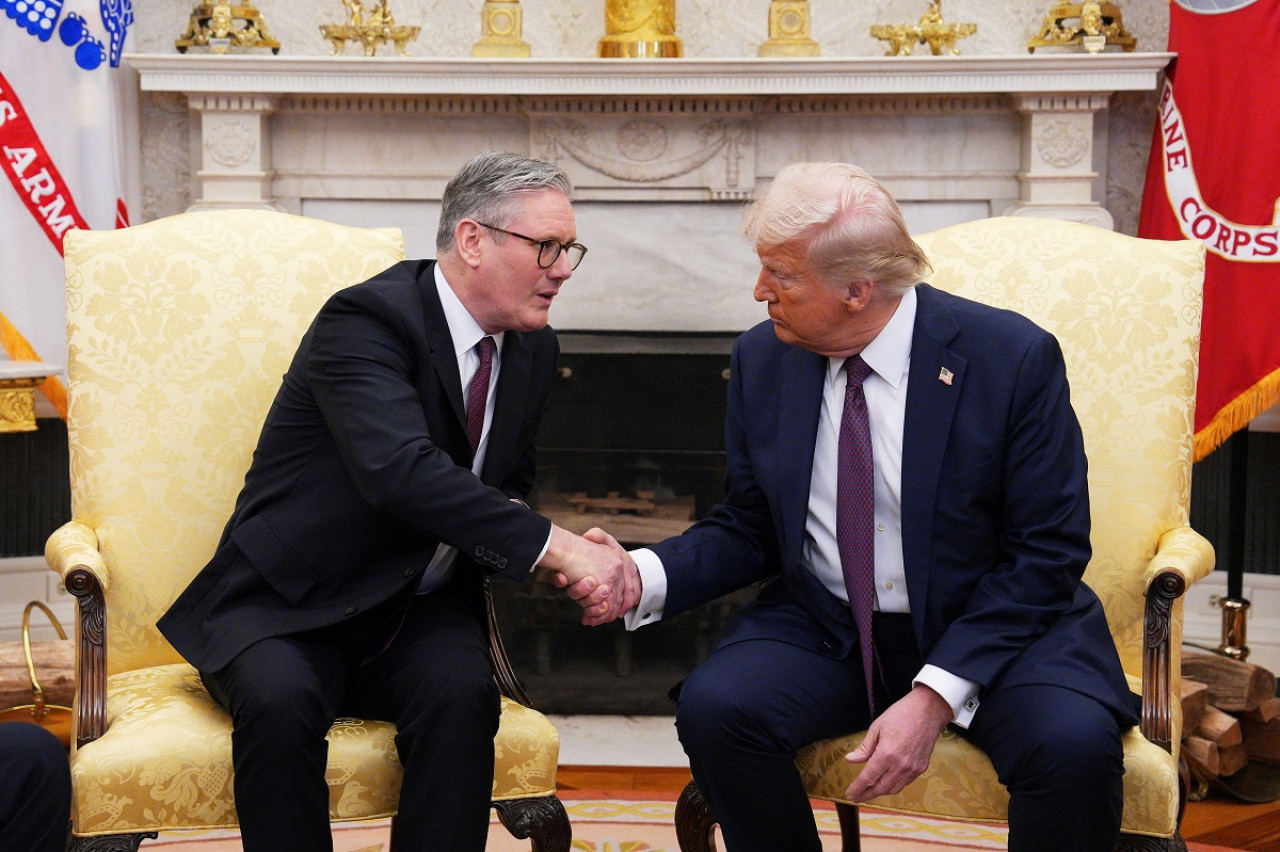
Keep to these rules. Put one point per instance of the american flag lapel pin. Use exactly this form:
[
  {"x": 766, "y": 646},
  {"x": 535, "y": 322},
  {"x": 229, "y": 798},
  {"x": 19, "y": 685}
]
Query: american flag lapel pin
[{"x": 945, "y": 376}]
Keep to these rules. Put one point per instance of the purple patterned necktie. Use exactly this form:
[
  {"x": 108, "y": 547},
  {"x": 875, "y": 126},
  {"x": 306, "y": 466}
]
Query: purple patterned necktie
[
  {"x": 855, "y": 514},
  {"x": 478, "y": 392}
]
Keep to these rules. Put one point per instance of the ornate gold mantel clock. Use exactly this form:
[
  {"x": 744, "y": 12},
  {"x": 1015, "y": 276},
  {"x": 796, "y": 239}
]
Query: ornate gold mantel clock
[{"x": 221, "y": 26}]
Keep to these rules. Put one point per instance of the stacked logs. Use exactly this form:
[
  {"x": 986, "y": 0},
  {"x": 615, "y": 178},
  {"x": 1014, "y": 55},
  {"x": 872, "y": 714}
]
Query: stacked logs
[{"x": 1230, "y": 713}]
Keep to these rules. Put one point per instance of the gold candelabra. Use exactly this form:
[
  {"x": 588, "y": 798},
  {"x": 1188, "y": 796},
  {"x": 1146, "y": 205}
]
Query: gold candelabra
[
  {"x": 931, "y": 29},
  {"x": 370, "y": 27},
  {"x": 640, "y": 29},
  {"x": 789, "y": 30},
  {"x": 1093, "y": 26},
  {"x": 221, "y": 26}
]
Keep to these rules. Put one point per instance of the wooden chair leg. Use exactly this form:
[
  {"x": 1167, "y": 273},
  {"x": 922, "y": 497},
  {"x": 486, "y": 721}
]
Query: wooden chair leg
[
  {"x": 1141, "y": 843},
  {"x": 694, "y": 821},
  {"x": 850, "y": 828},
  {"x": 543, "y": 821},
  {"x": 108, "y": 842}
]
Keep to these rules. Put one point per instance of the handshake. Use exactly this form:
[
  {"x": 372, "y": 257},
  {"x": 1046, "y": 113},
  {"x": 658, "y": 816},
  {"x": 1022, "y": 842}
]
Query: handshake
[{"x": 596, "y": 572}]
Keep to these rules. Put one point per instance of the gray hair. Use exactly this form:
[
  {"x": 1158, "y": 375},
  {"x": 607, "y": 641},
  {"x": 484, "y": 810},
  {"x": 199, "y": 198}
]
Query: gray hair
[
  {"x": 486, "y": 187},
  {"x": 853, "y": 226}
]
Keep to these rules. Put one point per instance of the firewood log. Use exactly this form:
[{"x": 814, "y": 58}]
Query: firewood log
[
  {"x": 1264, "y": 712},
  {"x": 55, "y": 669},
  {"x": 1234, "y": 686},
  {"x": 1218, "y": 727},
  {"x": 1195, "y": 697}
]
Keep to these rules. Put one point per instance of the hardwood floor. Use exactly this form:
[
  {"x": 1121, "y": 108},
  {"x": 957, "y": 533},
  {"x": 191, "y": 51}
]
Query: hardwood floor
[{"x": 1216, "y": 821}]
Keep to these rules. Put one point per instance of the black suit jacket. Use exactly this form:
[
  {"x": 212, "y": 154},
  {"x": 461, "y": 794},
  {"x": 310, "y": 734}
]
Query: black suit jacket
[
  {"x": 363, "y": 469},
  {"x": 995, "y": 504}
]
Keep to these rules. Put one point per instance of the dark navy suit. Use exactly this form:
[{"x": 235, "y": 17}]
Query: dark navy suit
[
  {"x": 995, "y": 535},
  {"x": 362, "y": 469}
]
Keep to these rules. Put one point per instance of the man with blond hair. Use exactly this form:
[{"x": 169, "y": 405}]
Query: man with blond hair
[{"x": 906, "y": 477}]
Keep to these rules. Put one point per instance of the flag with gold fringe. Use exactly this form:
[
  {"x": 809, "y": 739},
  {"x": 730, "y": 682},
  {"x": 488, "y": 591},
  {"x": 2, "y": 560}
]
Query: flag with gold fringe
[
  {"x": 1214, "y": 176},
  {"x": 66, "y": 110}
]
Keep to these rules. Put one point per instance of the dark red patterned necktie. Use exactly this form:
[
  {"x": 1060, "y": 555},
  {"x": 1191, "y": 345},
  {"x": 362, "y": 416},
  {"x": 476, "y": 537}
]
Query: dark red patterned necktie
[
  {"x": 478, "y": 392},
  {"x": 855, "y": 514}
]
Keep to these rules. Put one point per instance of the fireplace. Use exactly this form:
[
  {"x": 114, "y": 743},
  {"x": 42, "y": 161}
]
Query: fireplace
[{"x": 632, "y": 443}]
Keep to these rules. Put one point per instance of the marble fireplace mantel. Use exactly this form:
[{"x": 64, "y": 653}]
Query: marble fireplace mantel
[{"x": 662, "y": 151}]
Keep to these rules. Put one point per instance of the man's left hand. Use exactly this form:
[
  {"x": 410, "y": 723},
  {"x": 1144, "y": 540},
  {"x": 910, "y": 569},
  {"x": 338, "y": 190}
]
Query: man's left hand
[{"x": 898, "y": 744}]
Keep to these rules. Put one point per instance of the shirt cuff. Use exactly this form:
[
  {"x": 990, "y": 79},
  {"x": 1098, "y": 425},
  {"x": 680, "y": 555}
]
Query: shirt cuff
[
  {"x": 546, "y": 545},
  {"x": 959, "y": 693},
  {"x": 653, "y": 590}
]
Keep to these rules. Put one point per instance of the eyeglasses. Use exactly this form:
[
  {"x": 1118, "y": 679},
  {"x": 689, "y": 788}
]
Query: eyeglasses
[{"x": 548, "y": 250}]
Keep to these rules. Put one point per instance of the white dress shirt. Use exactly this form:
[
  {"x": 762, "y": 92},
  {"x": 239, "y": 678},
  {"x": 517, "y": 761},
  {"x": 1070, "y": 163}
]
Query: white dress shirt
[
  {"x": 889, "y": 356},
  {"x": 466, "y": 333}
]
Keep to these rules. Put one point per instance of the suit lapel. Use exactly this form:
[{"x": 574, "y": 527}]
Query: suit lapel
[
  {"x": 931, "y": 404},
  {"x": 443, "y": 358},
  {"x": 800, "y": 402},
  {"x": 508, "y": 406}
]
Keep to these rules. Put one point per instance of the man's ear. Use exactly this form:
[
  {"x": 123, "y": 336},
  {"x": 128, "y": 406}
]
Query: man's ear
[
  {"x": 858, "y": 294},
  {"x": 467, "y": 242}
]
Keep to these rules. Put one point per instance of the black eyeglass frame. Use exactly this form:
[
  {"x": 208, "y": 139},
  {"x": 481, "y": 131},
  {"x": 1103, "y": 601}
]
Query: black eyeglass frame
[{"x": 544, "y": 246}]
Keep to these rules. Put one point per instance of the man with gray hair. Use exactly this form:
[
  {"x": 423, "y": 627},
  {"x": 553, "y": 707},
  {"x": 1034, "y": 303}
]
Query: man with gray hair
[
  {"x": 388, "y": 480},
  {"x": 906, "y": 477}
]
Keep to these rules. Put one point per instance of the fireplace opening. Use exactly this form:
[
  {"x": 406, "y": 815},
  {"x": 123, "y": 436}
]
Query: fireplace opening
[{"x": 633, "y": 443}]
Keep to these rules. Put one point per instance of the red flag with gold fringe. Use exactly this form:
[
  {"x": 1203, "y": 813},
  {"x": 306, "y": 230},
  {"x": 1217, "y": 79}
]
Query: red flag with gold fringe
[{"x": 1214, "y": 176}]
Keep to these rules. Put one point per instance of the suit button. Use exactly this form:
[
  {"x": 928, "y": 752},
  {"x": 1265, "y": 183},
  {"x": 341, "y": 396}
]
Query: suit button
[
  {"x": 502, "y": 563},
  {"x": 824, "y": 646},
  {"x": 479, "y": 552},
  {"x": 351, "y": 610},
  {"x": 409, "y": 572}
]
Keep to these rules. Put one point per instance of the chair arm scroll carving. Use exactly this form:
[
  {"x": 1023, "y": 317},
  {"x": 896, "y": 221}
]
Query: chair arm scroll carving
[
  {"x": 1182, "y": 557},
  {"x": 72, "y": 552},
  {"x": 91, "y": 655}
]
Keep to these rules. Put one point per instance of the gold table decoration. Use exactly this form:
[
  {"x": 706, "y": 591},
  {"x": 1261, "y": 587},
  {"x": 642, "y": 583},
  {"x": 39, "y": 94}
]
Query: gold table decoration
[
  {"x": 640, "y": 29},
  {"x": 502, "y": 30},
  {"x": 931, "y": 29},
  {"x": 789, "y": 30},
  {"x": 377, "y": 28},
  {"x": 18, "y": 381},
  {"x": 1093, "y": 26},
  {"x": 221, "y": 26}
]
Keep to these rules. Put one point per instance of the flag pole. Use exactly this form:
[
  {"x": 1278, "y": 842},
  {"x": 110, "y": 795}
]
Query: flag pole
[{"x": 1235, "y": 607}]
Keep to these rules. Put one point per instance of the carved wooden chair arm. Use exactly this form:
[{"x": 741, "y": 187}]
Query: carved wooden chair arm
[
  {"x": 72, "y": 552},
  {"x": 1182, "y": 557},
  {"x": 503, "y": 673}
]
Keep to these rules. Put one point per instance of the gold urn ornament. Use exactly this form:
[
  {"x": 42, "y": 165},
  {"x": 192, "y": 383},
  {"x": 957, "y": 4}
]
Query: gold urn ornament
[
  {"x": 370, "y": 27},
  {"x": 640, "y": 29}
]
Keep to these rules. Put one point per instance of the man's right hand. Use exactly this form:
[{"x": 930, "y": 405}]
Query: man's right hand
[{"x": 601, "y": 579}]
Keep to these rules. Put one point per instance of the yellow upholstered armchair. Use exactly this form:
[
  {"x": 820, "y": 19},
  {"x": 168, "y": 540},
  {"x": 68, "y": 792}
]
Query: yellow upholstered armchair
[
  {"x": 179, "y": 332},
  {"x": 1127, "y": 313}
]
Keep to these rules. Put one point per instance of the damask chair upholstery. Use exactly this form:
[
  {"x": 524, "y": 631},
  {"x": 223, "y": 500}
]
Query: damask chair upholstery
[
  {"x": 179, "y": 332},
  {"x": 1127, "y": 314}
]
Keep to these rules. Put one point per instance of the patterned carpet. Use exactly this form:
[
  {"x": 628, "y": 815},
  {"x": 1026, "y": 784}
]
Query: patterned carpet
[{"x": 630, "y": 821}]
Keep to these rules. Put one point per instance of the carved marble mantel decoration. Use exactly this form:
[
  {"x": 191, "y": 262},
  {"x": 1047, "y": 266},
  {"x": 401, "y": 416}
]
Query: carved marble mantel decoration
[{"x": 657, "y": 148}]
